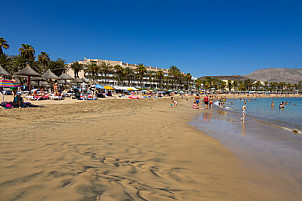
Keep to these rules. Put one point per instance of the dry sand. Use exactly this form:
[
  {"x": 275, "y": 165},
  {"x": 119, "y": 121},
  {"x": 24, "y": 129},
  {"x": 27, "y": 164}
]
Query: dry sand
[{"x": 120, "y": 150}]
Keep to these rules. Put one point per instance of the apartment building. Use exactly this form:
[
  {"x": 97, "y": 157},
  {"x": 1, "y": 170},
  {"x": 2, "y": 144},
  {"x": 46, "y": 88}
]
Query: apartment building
[{"x": 148, "y": 82}]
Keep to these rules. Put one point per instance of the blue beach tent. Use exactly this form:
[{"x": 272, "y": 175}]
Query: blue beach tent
[{"x": 98, "y": 86}]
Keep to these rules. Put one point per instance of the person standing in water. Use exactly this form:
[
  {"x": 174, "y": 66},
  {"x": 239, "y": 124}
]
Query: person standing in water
[
  {"x": 197, "y": 97},
  {"x": 272, "y": 104},
  {"x": 211, "y": 101},
  {"x": 243, "y": 113},
  {"x": 206, "y": 101}
]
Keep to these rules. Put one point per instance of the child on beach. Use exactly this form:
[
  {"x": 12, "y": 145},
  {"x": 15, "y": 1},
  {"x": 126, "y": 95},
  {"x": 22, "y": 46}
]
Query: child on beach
[
  {"x": 243, "y": 113},
  {"x": 194, "y": 105},
  {"x": 175, "y": 103}
]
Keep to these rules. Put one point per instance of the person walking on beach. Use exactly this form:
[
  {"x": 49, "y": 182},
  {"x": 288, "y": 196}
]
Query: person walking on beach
[
  {"x": 243, "y": 113},
  {"x": 197, "y": 97},
  {"x": 206, "y": 101},
  {"x": 211, "y": 101}
]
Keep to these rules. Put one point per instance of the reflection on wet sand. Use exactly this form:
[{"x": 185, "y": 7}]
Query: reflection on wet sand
[
  {"x": 270, "y": 150},
  {"x": 243, "y": 129},
  {"x": 207, "y": 116}
]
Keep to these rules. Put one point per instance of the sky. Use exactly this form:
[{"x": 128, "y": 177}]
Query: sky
[{"x": 205, "y": 37}]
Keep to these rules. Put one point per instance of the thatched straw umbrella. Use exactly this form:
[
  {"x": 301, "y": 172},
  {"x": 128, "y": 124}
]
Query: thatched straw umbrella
[
  {"x": 77, "y": 81},
  {"x": 44, "y": 83},
  {"x": 65, "y": 77},
  {"x": 50, "y": 75},
  {"x": 29, "y": 72},
  {"x": 38, "y": 80},
  {"x": 4, "y": 72},
  {"x": 34, "y": 83}
]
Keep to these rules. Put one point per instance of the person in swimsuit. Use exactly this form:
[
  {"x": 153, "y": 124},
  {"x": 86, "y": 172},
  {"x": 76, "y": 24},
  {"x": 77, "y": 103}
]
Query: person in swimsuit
[
  {"x": 197, "y": 97},
  {"x": 206, "y": 101},
  {"x": 211, "y": 101},
  {"x": 243, "y": 113}
]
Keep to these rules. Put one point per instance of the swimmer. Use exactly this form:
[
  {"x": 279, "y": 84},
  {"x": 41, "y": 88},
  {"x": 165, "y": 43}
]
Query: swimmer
[{"x": 243, "y": 113}]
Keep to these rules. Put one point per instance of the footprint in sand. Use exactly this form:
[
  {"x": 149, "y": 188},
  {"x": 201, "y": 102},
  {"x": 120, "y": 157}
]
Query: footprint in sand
[{"x": 111, "y": 161}]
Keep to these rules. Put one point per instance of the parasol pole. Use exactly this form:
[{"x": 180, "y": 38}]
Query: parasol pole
[{"x": 28, "y": 83}]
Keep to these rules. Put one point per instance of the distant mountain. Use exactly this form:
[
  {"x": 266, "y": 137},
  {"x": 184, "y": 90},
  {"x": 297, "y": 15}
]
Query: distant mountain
[{"x": 287, "y": 75}]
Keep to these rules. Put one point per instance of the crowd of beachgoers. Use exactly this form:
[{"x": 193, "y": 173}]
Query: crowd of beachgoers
[{"x": 18, "y": 98}]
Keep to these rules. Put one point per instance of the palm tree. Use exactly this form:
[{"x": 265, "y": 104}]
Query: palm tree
[
  {"x": 5, "y": 61},
  {"x": 105, "y": 68},
  {"x": 181, "y": 80},
  {"x": 273, "y": 86},
  {"x": 119, "y": 73},
  {"x": 281, "y": 86},
  {"x": 3, "y": 44},
  {"x": 44, "y": 59},
  {"x": 188, "y": 78},
  {"x": 198, "y": 84},
  {"x": 76, "y": 67},
  {"x": 57, "y": 66},
  {"x": 128, "y": 72},
  {"x": 27, "y": 52},
  {"x": 235, "y": 84},
  {"x": 300, "y": 84},
  {"x": 295, "y": 86},
  {"x": 248, "y": 84},
  {"x": 93, "y": 70},
  {"x": 230, "y": 84},
  {"x": 222, "y": 85},
  {"x": 242, "y": 87},
  {"x": 174, "y": 72},
  {"x": 141, "y": 70},
  {"x": 167, "y": 82},
  {"x": 289, "y": 87},
  {"x": 160, "y": 75},
  {"x": 265, "y": 85},
  {"x": 150, "y": 75},
  {"x": 19, "y": 62},
  {"x": 258, "y": 85}
]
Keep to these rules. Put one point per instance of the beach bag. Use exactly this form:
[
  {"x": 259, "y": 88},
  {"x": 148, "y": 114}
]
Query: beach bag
[{"x": 9, "y": 105}]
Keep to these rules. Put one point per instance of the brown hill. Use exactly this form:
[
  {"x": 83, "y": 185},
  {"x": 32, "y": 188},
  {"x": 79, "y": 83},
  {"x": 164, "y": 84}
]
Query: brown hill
[{"x": 287, "y": 75}]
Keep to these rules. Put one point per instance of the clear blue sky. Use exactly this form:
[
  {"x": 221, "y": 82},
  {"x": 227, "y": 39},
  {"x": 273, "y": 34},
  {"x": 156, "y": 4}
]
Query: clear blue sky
[{"x": 205, "y": 37}]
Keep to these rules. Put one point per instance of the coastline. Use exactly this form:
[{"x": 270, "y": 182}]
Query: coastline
[{"x": 121, "y": 149}]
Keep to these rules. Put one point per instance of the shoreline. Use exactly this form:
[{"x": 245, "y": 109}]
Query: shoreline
[
  {"x": 273, "y": 151},
  {"x": 120, "y": 149},
  {"x": 281, "y": 124}
]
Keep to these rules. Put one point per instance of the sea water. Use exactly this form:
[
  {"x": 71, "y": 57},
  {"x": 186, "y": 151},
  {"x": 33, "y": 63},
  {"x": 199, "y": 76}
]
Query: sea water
[
  {"x": 260, "y": 108},
  {"x": 266, "y": 140}
]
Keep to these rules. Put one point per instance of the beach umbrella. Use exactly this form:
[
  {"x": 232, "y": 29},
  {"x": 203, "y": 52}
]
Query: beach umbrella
[
  {"x": 44, "y": 83},
  {"x": 108, "y": 87},
  {"x": 37, "y": 80},
  {"x": 33, "y": 83},
  {"x": 132, "y": 89},
  {"x": 8, "y": 83},
  {"x": 98, "y": 86},
  {"x": 3, "y": 71},
  {"x": 49, "y": 75},
  {"x": 29, "y": 72},
  {"x": 65, "y": 77}
]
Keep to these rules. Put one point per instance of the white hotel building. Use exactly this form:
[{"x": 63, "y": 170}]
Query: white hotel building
[{"x": 111, "y": 77}]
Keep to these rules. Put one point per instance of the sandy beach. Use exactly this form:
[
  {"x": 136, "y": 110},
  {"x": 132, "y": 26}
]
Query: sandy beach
[{"x": 113, "y": 149}]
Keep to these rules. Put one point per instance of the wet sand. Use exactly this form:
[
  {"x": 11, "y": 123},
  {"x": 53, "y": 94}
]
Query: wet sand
[
  {"x": 264, "y": 147},
  {"x": 121, "y": 150}
]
